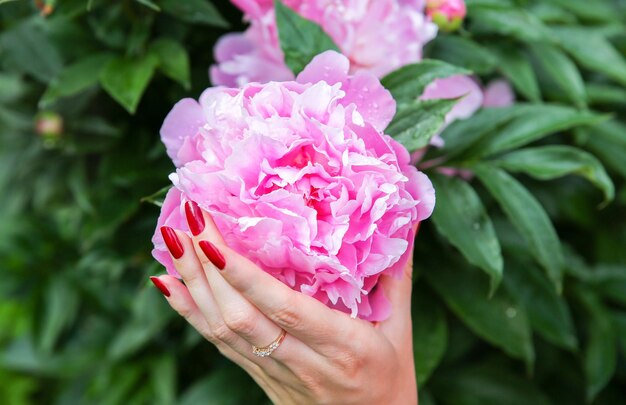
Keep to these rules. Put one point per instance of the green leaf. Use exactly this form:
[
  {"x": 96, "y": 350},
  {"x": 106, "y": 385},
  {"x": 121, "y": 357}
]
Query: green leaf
[
  {"x": 498, "y": 4},
  {"x": 605, "y": 94},
  {"x": 591, "y": 11},
  {"x": 600, "y": 352},
  {"x": 149, "y": 4},
  {"x": 415, "y": 124},
  {"x": 464, "y": 52},
  {"x": 498, "y": 320},
  {"x": 610, "y": 282},
  {"x": 430, "y": 334},
  {"x": 514, "y": 22},
  {"x": 163, "y": 376},
  {"x": 126, "y": 79},
  {"x": 461, "y": 217},
  {"x": 300, "y": 39},
  {"x": 528, "y": 217},
  {"x": 12, "y": 87},
  {"x": 619, "y": 325},
  {"x": 147, "y": 319},
  {"x": 157, "y": 197},
  {"x": 75, "y": 78},
  {"x": 551, "y": 13},
  {"x": 60, "y": 310},
  {"x": 554, "y": 161},
  {"x": 486, "y": 384},
  {"x": 27, "y": 48},
  {"x": 516, "y": 67},
  {"x": 562, "y": 71},
  {"x": 608, "y": 142},
  {"x": 195, "y": 12},
  {"x": 224, "y": 386},
  {"x": 593, "y": 51},
  {"x": 548, "y": 312},
  {"x": 463, "y": 134},
  {"x": 173, "y": 60},
  {"x": 535, "y": 124},
  {"x": 409, "y": 82}
]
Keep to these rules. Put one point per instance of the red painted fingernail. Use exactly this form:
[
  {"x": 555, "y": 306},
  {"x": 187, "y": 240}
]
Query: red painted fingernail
[
  {"x": 195, "y": 219},
  {"x": 172, "y": 242},
  {"x": 159, "y": 284},
  {"x": 213, "y": 254}
]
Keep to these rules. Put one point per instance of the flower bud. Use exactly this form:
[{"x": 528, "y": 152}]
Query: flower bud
[
  {"x": 447, "y": 14},
  {"x": 49, "y": 126}
]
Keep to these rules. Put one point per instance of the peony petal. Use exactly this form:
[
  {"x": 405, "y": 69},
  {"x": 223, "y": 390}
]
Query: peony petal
[
  {"x": 498, "y": 93},
  {"x": 329, "y": 66},
  {"x": 453, "y": 87},
  {"x": 182, "y": 122}
]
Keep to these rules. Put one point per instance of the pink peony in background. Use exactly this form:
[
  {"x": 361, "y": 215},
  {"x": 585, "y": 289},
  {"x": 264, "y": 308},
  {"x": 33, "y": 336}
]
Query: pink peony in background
[
  {"x": 378, "y": 36},
  {"x": 300, "y": 178}
]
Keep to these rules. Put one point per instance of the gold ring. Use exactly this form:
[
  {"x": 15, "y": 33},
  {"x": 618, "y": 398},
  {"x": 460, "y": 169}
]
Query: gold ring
[{"x": 269, "y": 349}]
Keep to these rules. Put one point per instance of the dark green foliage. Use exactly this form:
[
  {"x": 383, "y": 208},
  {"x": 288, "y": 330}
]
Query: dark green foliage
[{"x": 520, "y": 277}]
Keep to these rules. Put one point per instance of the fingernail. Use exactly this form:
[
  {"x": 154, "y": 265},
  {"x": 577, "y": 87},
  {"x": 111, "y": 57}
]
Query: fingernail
[
  {"x": 159, "y": 284},
  {"x": 172, "y": 242},
  {"x": 195, "y": 219},
  {"x": 212, "y": 254}
]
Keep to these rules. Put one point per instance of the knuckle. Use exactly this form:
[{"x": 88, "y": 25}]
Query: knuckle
[
  {"x": 350, "y": 364},
  {"x": 221, "y": 333},
  {"x": 312, "y": 386},
  {"x": 192, "y": 276},
  {"x": 186, "y": 312},
  {"x": 240, "y": 322},
  {"x": 287, "y": 315}
]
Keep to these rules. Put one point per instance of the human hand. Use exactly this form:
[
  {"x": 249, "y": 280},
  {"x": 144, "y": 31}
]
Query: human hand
[{"x": 326, "y": 357}]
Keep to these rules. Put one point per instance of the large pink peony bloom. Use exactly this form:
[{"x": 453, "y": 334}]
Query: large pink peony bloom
[{"x": 300, "y": 178}]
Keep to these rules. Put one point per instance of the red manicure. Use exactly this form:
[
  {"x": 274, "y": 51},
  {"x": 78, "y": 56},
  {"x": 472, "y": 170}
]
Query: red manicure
[
  {"x": 195, "y": 219},
  {"x": 212, "y": 254},
  {"x": 172, "y": 242},
  {"x": 159, "y": 284}
]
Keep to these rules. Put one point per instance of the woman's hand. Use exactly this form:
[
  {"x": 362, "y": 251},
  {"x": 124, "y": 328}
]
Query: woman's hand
[{"x": 326, "y": 356}]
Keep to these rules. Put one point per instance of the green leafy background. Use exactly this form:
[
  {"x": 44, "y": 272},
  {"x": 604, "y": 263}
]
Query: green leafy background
[{"x": 520, "y": 276}]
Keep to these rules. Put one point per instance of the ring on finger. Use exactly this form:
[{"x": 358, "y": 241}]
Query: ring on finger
[{"x": 265, "y": 351}]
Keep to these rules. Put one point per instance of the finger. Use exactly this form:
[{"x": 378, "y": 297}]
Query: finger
[
  {"x": 241, "y": 316},
  {"x": 301, "y": 316},
  {"x": 190, "y": 269},
  {"x": 179, "y": 298}
]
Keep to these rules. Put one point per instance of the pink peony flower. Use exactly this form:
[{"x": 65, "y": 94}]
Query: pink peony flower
[
  {"x": 300, "y": 178},
  {"x": 447, "y": 14},
  {"x": 377, "y": 36},
  {"x": 498, "y": 93}
]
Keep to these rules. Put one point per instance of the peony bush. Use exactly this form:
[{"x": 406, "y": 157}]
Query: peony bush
[{"x": 519, "y": 273}]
